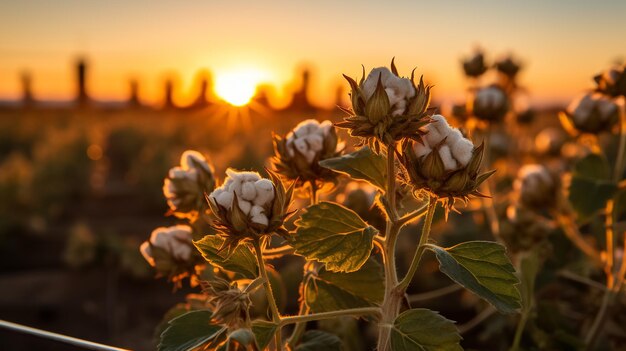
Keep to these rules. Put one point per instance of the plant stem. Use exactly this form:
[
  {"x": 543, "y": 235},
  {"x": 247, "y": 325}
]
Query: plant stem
[
  {"x": 363, "y": 311},
  {"x": 432, "y": 205},
  {"x": 300, "y": 327},
  {"x": 619, "y": 161},
  {"x": 474, "y": 322},
  {"x": 429, "y": 295},
  {"x": 520, "y": 330},
  {"x": 573, "y": 234},
  {"x": 278, "y": 252},
  {"x": 314, "y": 194},
  {"x": 268, "y": 290},
  {"x": 391, "y": 302},
  {"x": 598, "y": 322},
  {"x": 610, "y": 242}
]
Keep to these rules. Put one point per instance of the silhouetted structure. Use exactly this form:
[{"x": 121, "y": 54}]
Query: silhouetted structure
[
  {"x": 133, "y": 99},
  {"x": 168, "y": 102},
  {"x": 28, "y": 99},
  {"x": 204, "y": 93},
  {"x": 300, "y": 101},
  {"x": 82, "y": 97}
]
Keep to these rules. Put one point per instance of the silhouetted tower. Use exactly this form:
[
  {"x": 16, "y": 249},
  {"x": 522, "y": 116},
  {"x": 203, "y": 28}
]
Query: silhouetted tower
[
  {"x": 300, "y": 100},
  {"x": 133, "y": 99},
  {"x": 168, "y": 101},
  {"x": 205, "y": 91},
  {"x": 28, "y": 98},
  {"x": 82, "y": 98}
]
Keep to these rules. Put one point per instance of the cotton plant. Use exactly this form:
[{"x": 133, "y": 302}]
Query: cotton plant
[
  {"x": 298, "y": 153},
  {"x": 170, "y": 251},
  {"x": 400, "y": 145}
]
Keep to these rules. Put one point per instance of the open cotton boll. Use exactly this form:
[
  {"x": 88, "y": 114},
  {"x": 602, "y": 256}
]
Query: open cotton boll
[
  {"x": 225, "y": 199},
  {"x": 369, "y": 85},
  {"x": 580, "y": 108},
  {"x": 256, "y": 210},
  {"x": 244, "y": 206},
  {"x": 264, "y": 192},
  {"x": 421, "y": 150},
  {"x": 248, "y": 191},
  {"x": 326, "y": 126},
  {"x": 259, "y": 219},
  {"x": 146, "y": 252},
  {"x": 191, "y": 159},
  {"x": 175, "y": 240},
  {"x": 315, "y": 141},
  {"x": 462, "y": 150},
  {"x": 301, "y": 145},
  {"x": 449, "y": 163}
]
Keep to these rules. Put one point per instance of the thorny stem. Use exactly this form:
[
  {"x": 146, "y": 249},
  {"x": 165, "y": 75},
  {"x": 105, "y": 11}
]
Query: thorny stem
[
  {"x": 363, "y": 311},
  {"x": 432, "y": 205},
  {"x": 268, "y": 290}
]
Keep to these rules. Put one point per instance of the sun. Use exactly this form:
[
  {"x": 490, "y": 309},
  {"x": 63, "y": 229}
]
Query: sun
[{"x": 237, "y": 87}]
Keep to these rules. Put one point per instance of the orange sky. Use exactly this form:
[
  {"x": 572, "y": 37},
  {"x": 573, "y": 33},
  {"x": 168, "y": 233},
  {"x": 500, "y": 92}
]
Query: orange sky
[{"x": 563, "y": 43}]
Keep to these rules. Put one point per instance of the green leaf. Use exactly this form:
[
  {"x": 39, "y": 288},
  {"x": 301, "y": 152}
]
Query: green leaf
[
  {"x": 189, "y": 331},
  {"x": 241, "y": 260},
  {"x": 315, "y": 340},
  {"x": 243, "y": 337},
  {"x": 484, "y": 268},
  {"x": 334, "y": 235},
  {"x": 263, "y": 332},
  {"x": 591, "y": 186},
  {"x": 424, "y": 330},
  {"x": 362, "y": 164},
  {"x": 329, "y": 291}
]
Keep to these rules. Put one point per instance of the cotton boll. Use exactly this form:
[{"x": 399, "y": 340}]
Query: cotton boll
[
  {"x": 393, "y": 96},
  {"x": 225, "y": 199},
  {"x": 399, "y": 108},
  {"x": 315, "y": 141},
  {"x": 290, "y": 147},
  {"x": 446, "y": 156},
  {"x": 369, "y": 85},
  {"x": 440, "y": 124},
  {"x": 264, "y": 192},
  {"x": 462, "y": 150},
  {"x": 326, "y": 126},
  {"x": 580, "y": 109},
  {"x": 421, "y": 150},
  {"x": 248, "y": 192},
  {"x": 191, "y": 159},
  {"x": 146, "y": 252},
  {"x": 433, "y": 137},
  {"x": 606, "y": 108},
  {"x": 301, "y": 145},
  {"x": 260, "y": 219},
  {"x": 244, "y": 206},
  {"x": 256, "y": 210},
  {"x": 305, "y": 128},
  {"x": 309, "y": 156}
]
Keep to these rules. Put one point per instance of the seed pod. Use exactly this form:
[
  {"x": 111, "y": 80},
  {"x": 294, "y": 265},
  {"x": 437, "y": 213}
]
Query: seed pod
[
  {"x": 535, "y": 187},
  {"x": 489, "y": 104},
  {"x": 590, "y": 113},
  {"x": 247, "y": 206},
  {"x": 508, "y": 66},
  {"x": 523, "y": 229},
  {"x": 386, "y": 107},
  {"x": 612, "y": 82},
  {"x": 446, "y": 164},
  {"x": 170, "y": 251},
  {"x": 297, "y": 154},
  {"x": 185, "y": 186},
  {"x": 230, "y": 304},
  {"x": 474, "y": 66}
]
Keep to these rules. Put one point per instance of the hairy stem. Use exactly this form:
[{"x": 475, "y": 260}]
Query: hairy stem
[
  {"x": 363, "y": 311},
  {"x": 268, "y": 290},
  {"x": 300, "y": 327},
  {"x": 432, "y": 205},
  {"x": 391, "y": 301}
]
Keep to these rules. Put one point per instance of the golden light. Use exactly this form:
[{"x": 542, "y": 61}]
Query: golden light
[{"x": 237, "y": 87}]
